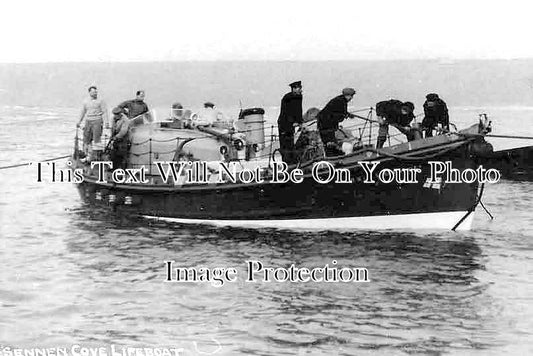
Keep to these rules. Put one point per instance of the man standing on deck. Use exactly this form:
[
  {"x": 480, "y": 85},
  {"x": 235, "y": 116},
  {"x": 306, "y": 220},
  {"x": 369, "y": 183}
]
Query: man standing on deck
[
  {"x": 137, "y": 107},
  {"x": 335, "y": 111},
  {"x": 119, "y": 138},
  {"x": 95, "y": 112},
  {"x": 290, "y": 116}
]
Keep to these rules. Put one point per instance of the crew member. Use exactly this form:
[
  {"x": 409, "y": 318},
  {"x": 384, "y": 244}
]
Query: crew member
[
  {"x": 209, "y": 115},
  {"x": 95, "y": 113},
  {"x": 435, "y": 115},
  {"x": 335, "y": 111},
  {"x": 177, "y": 116},
  {"x": 119, "y": 139},
  {"x": 397, "y": 114},
  {"x": 290, "y": 116},
  {"x": 137, "y": 107}
]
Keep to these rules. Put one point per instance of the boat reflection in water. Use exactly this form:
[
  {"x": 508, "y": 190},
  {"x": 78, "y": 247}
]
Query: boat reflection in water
[
  {"x": 420, "y": 285},
  {"x": 308, "y": 204}
]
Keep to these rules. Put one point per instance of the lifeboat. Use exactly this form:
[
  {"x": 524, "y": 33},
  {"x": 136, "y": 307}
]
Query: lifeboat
[{"x": 231, "y": 174}]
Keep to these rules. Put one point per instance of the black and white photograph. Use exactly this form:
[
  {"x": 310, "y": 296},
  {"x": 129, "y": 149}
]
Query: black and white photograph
[{"x": 267, "y": 178}]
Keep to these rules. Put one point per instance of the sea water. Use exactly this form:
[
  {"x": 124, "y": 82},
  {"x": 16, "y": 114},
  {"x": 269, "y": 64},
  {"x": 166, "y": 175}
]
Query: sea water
[{"x": 75, "y": 277}]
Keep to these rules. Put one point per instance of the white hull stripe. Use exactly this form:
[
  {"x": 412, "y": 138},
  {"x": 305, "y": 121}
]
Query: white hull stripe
[{"x": 432, "y": 221}]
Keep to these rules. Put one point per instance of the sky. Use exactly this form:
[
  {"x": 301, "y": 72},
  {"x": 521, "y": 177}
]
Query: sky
[{"x": 163, "y": 30}]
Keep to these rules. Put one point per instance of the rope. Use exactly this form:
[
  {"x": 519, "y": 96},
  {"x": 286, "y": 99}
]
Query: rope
[
  {"x": 154, "y": 152},
  {"x": 28, "y": 163},
  {"x": 496, "y": 136},
  {"x": 406, "y": 158},
  {"x": 471, "y": 210},
  {"x": 508, "y": 136},
  {"x": 361, "y": 110},
  {"x": 486, "y": 210}
]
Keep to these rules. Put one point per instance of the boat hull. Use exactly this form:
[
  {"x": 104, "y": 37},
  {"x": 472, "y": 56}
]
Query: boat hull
[{"x": 309, "y": 204}]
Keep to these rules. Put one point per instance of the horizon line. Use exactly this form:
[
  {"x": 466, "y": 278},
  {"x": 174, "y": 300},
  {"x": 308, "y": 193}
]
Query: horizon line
[{"x": 443, "y": 60}]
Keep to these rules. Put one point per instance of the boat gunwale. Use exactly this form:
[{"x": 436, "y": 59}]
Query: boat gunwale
[{"x": 453, "y": 144}]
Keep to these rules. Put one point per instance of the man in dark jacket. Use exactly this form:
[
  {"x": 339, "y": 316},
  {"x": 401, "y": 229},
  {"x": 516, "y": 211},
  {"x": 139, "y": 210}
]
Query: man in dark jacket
[
  {"x": 397, "y": 114},
  {"x": 119, "y": 138},
  {"x": 137, "y": 107},
  {"x": 435, "y": 113},
  {"x": 335, "y": 111},
  {"x": 289, "y": 116}
]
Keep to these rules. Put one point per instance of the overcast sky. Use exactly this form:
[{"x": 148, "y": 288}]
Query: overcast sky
[{"x": 107, "y": 30}]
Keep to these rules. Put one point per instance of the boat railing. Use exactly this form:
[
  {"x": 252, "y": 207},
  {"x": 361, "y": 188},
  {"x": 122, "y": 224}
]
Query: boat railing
[
  {"x": 361, "y": 131},
  {"x": 364, "y": 131}
]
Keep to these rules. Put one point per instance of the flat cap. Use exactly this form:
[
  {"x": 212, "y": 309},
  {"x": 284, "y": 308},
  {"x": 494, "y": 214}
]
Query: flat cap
[
  {"x": 117, "y": 111},
  {"x": 297, "y": 84},
  {"x": 177, "y": 106},
  {"x": 432, "y": 97},
  {"x": 348, "y": 91},
  {"x": 209, "y": 104}
]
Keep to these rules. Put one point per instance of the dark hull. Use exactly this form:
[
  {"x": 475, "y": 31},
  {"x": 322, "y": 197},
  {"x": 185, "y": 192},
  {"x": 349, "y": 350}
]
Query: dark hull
[{"x": 307, "y": 201}]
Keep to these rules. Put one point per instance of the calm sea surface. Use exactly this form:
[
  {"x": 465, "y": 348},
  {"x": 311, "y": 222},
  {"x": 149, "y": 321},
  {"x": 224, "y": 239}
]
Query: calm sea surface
[{"x": 71, "y": 274}]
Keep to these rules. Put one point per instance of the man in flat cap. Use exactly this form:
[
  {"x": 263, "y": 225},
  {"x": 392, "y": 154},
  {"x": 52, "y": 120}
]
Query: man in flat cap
[
  {"x": 290, "y": 116},
  {"x": 335, "y": 111},
  {"x": 435, "y": 114}
]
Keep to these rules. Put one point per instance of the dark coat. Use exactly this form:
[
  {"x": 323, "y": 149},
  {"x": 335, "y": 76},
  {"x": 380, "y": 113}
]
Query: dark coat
[
  {"x": 335, "y": 111},
  {"x": 437, "y": 114},
  {"x": 135, "y": 107},
  {"x": 391, "y": 110},
  {"x": 290, "y": 112}
]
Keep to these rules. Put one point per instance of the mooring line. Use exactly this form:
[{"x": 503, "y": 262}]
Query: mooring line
[
  {"x": 497, "y": 136},
  {"x": 28, "y": 163}
]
